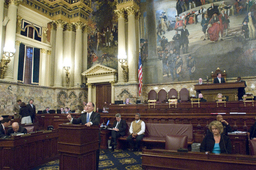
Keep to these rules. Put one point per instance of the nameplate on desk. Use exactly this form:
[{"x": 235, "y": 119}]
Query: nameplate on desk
[
  {"x": 237, "y": 113},
  {"x": 218, "y": 113}
]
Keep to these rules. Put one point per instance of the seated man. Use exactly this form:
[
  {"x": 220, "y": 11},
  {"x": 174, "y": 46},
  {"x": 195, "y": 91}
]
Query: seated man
[
  {"x": 4, "y": 124},
  {"x": 46, "y": 110},
  {"x": 225, "y": 124},
  {"x": 16, "y": 129},
  {"x": 137, "y": 130},
  {"x": 67, "y": 110},
  {"x": 119, "y": 128},
  {"x": 201, "y": 97},
  {"x": 88, "y": 116}
]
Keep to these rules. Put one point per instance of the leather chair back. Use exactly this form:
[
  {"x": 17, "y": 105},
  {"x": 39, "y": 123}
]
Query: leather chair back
[
  {"x": 184, "y": 95},
  {"x": 173, "y": 93},
  {"x": 175, "y": 142},
  {"x": 152, "y": 95},
  {"x": 162, "y": 96},
  {"x": 252, "y": 144}
]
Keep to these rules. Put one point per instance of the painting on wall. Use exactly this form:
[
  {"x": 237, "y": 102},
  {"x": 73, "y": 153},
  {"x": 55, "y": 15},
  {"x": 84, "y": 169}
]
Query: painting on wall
[
  {"x": 103, "y": 34},
  {"x": 194, "y": 38}
]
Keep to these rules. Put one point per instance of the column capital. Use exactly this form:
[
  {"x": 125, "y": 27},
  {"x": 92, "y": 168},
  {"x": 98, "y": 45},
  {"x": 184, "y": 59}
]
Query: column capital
[
  {"x": 44, "y": 51},
  {"x": 131, "y": 10},
  {"x": 17, "y": 43},
  {"x": 49, "y": 52},
  {"x": 120, "y": 13},
  {"x": 138, "y": 14},
  {"x": 60, "y": 23},
  {"x": 85, "y": 29},
  {"x": 69, "y": 27},
  {"x": 15, "y": 2},
  {"x": 79, "y": 25},
  {"x": 53, "y": 25}
]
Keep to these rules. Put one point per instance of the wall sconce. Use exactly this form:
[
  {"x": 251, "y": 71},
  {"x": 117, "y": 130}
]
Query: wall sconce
[
  {"x": 124, "y": 66},
  {"x": 5, "y": 61},
  {"x": 67, "y": 71}
]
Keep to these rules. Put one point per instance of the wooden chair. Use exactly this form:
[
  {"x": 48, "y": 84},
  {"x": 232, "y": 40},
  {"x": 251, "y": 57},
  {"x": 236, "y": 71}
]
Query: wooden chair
[
  {"x": 173, "y": 102},
  {"x": 223, "y": 74},
  {"x": 172, "y": 94},
  {"x": 151, "y": 103},
  {"x": 248, "y": 99},
  {"x": 195, "y": 101},
  {"x": 221, "y": 99}
]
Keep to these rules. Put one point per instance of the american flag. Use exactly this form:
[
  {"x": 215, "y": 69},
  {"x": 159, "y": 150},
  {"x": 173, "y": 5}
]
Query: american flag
[{"x": 140, "y": 74}]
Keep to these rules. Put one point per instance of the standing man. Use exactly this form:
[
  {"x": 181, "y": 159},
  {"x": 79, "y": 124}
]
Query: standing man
[
  {"x": 241, "y": 91},
  {"x": 32, "y": 110},
  {"x": 219, "y": 79},
  {"x": 226, "y": 126},
  {"x": 4, "y": 124},
  {"x": 137, "y": 130},
  {"x": 184, "y": 39},
  {"x": 119, "y": 128},
  {"x": 16, "y": 129},
  {"x": 88, "y": 118},
  {"x": 16, "y": 109}
]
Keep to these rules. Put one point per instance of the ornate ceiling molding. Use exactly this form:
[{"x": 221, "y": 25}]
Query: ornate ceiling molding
[{"x": 99, "y": 70}]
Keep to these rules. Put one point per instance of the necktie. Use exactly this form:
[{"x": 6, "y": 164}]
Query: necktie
[{"x": 88, "y": 116}]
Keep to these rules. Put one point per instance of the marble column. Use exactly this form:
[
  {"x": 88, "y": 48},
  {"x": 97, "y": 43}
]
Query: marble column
[
  {"x": 59, "y": 54},
  {"x": 68, "y": 52},
  {"x": 42, "y": 67},
  {"x": 89, "y": 92},
  {"x": 153, "y": 67},
  {"x": 112, "y": 92},
  {"x": 137, "y": 22},
  {"x": 78, "y": 55},
  {"x": 47, "y": 71},
  {"x": 1, "y": 26},
  {"x": 132, "y": 56},
  {"x": 11, "y": 36},
  {"x": 85, "y": 58},
  {"x": 16, "y": 61},
  {"x": 121, "y": 42},
  {"x": 52, "y": 58}
]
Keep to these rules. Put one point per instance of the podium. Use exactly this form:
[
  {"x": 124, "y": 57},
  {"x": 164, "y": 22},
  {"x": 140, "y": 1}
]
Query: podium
[
  {"x": 77, "y": 146},
  {"x": 210, "y": 91}
]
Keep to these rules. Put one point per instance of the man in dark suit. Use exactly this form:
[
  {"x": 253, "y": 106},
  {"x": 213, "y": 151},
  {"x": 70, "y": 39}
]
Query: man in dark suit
[
  {"x": 32, "y": 110},
  {"x": 4, "y": 124},
  {"x": 88, "y": 118},
  {"x": 46, "y": 110},
  {"x": 226, "y": 127},
  {"x": 119, "y": 128},
  {"x": 219, "y": 79},
  {"x": 16, "y": 129},
  {"x": 241, "y": 91}
]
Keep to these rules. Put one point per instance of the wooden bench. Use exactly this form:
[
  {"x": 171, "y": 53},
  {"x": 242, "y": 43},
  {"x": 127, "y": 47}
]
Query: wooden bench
[{"x": 155, "y": 134}]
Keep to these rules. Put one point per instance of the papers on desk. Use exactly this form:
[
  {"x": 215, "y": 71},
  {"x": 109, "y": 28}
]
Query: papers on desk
[
  {"x": 110, "y": 128},
  {"x": 237, "y": 132},
  {"x": 238, "y": 113}
]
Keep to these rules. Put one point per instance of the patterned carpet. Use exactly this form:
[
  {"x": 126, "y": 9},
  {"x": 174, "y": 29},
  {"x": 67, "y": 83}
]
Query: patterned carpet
[{"x": 109, "y": 160}]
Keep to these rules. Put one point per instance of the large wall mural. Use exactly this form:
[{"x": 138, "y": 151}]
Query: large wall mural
[
  {"x": 204, "y": 36},
  {"x": 103, "y": 34}
]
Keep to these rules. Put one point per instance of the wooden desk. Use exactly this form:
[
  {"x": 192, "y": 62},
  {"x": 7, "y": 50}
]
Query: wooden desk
[
  {"x": 210, "y": 91},
  {"x": 163, "y": 159},
  {"x": 239, "y": 143},
  {"x": 28, "y": 151},
  {"x": 104, "y": 135}
]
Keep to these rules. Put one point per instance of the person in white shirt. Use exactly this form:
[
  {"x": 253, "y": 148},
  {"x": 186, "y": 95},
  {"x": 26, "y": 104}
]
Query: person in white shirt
[{"x": 137, "y": 130}]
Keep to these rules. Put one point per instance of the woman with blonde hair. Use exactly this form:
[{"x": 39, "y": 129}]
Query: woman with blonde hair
[{"x": 215, "y": 141}]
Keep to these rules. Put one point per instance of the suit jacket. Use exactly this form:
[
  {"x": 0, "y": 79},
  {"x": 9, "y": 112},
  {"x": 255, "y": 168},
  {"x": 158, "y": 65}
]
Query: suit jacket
[
  {"x": 95, "y": 119},
  {"x": 121, "y": 126},
  {"x": 21, "y": 130},
  {"x": 216, "y": 80},
  {"x": 45, "y": 111},
  {"x": 2, "y": 132},
  {"x": 32, "y": 111},
  {"x": 16, "y": 108}
]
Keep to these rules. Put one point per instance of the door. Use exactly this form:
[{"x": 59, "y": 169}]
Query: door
[{"x": 103, "y": 94}]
